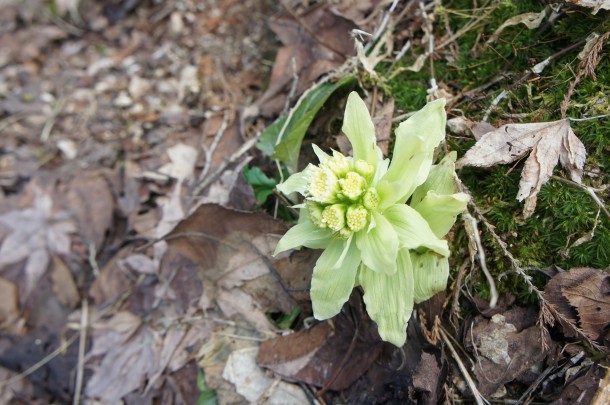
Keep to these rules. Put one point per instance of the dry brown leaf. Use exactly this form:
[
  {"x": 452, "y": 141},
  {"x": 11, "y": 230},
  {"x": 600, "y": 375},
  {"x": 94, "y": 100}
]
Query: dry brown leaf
[
  {"x": 318, "y": 43},
  {"x": 506, "y": 347},
  {"x": 128, "y": 357},
  {"x": 36, "y": 232},
  {"x": 233, "y": 249},
  {"x": 9, "y": 306},
  {"x": 547, "y": 144},
  {"x": 581, "y": 297},
  {"x": 64, "y": 286},
  {"x": 591, "y": 299},
  {"x": 530, "y": 20}
]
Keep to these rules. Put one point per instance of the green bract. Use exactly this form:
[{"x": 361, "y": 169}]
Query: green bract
[{"x": 355, "y": 208}]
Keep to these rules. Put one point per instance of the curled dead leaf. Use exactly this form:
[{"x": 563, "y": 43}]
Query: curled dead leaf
[{"x": 547, "y": 143}]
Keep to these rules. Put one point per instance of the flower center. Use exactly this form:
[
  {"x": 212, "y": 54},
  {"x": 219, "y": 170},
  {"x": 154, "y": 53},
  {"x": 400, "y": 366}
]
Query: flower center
[{"x": 339, "y": 196}]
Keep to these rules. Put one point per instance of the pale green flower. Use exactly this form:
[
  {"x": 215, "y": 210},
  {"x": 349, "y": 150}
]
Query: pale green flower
[{"x": 356, "y": 209}]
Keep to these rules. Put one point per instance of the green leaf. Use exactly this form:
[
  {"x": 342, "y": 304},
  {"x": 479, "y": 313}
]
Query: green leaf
[
  {"x": 360, "y": 130},
  {"x": 416, "y": 139},
  {"x": 286, "y": 320},
  {"x": 413, "y": 230},
  {"x": 288, "y": 149},
  {"x": 208, "y": 395},
  {"x": 389, "y": 298},
  {"x": 333, "y": 278},
  {"x": 430, "y": 274},
  {"x": 379, "y": 245},
  {"x": 263, "y": 186}
]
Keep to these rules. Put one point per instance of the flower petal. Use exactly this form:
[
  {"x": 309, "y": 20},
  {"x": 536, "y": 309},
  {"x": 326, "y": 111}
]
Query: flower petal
[
  {"x": 331, "y": 284},
  {"x": 322, "y": 156},
  {"x": 389, "y": 298},
  {"x": 304, "y": 234},
  {"x": 359, "y": 128},
  {"x": 430, "y": 274},
  {"x": 379, "y": 245},
  {"x": 297, "y": 183},
  {"x": 441, "y": 180},
  {"x": 416, "y": 139},
  {"x": 413, "y": 230},
  {"x": 440, "y": 211}
]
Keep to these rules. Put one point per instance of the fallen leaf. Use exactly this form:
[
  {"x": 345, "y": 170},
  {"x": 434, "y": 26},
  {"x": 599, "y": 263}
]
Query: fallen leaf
[
  {"x": 596, "y": 5},
  {"x": 183, "y": 159},
  {"x": 315, "y": 355},
  {"x": 9, "y": 307},
  {"x": 89, "y": 198},
  {"x": 124, "y": 367},
  {"x": 581, "y": 295},
  {"x": 547, "y": 144},
  {"x": 583, "y": 389},
  {"x": 36, "y": 232},
  {"x": 252, "y": 383},
  {"x": 506, "y": 346},
  {"x": 322, "y": 46},
  {"x": 233, "y": 250},
  {"x": 64, "y": 286},
  {"x": 530, "y": 20}
]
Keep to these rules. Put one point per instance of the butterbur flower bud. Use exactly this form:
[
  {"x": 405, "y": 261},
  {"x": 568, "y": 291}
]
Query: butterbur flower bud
[
  {"x": 352, "y": 186},
  {"x": 315, "y": 213},
  {"x": 333, "y": 216},
  {"x": 339, "y": 164},
  {"x": 324, "y": 185},
  {"x": 370, "y": 199},
  {"x": 364, "y": 168},
  {"x": 356, "y": 217}
]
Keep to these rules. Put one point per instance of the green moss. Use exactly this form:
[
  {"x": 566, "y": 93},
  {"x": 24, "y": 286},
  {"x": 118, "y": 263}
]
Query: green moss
[{"x": 564, "y": 213}]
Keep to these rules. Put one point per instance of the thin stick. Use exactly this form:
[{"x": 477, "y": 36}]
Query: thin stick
[
  {"x": 82, "y": 344},
  {"x": 477, "y": 395},
  {"x": 589, "y": 118},
  {"x": 202, "y": 185},
  {"x": 209, "y": 152},
  {"x": 472, "y": 223}
]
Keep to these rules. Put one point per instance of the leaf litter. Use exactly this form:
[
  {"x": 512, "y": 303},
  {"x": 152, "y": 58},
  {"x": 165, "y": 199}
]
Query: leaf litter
[{"x": 184, "y": 281}]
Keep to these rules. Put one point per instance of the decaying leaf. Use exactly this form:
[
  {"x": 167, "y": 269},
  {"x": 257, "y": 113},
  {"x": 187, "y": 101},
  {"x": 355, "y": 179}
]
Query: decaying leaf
[
  {"x": 530, "y": 20},
  {"x": 252, "y": 383},
  {"x": 317, "y": 355},
  {"x": 36, "y": 232},
  {"x": 233, "y": 249},
  {"x": 9, "y": 307},
  {"x": 596, "y": 5},
  {"x": 506, "y": 347},
  {"x": 582, "y": 296},
  {"x": 547, "y": 144}
]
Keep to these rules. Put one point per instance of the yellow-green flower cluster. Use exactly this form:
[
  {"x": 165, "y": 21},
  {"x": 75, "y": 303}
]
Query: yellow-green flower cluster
[
  {"x": 380, "y": 223},
  {"x": 339, "y": 195}
]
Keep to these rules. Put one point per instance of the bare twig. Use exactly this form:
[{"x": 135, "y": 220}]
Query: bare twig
[
  {"x": 82, "y": 345},
  {"x": 209, "y": 152},
  {"x": 471, "y": 384},
  {"x": 202, "y": 185},
  {"x": 474, "y": 231}
]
